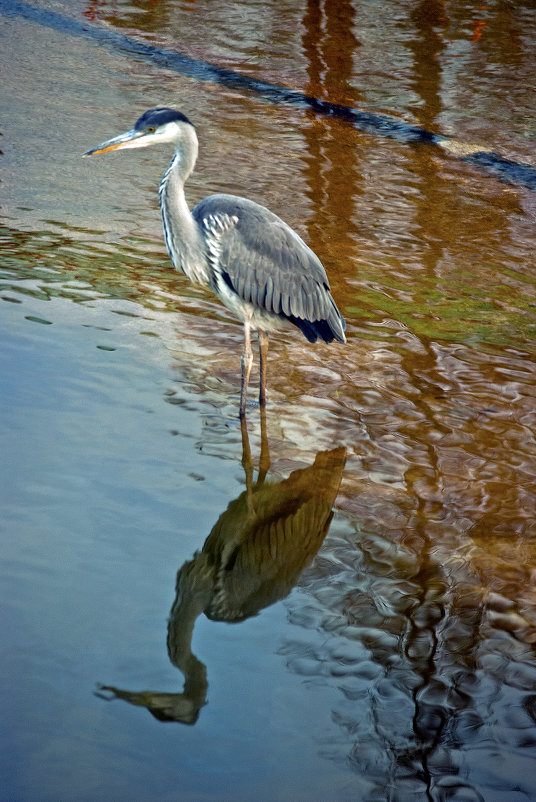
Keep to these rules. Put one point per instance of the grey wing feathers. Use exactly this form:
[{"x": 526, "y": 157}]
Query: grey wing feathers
[{"x": 268, "y": 265}]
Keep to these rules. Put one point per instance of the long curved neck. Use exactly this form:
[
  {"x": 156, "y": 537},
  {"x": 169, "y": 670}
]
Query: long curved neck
[{"x": 183, "y": 237}]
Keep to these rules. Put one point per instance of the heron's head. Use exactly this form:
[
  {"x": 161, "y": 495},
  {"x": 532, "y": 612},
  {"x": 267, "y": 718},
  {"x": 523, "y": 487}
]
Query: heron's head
[{"x": 156, "y": 126}]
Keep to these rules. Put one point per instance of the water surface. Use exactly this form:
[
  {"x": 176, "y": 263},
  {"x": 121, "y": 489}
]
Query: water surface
[{"x": 401, "y": 663}]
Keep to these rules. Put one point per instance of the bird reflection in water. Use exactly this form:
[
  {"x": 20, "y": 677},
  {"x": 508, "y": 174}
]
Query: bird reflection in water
[{"x": 252, "y": 558}]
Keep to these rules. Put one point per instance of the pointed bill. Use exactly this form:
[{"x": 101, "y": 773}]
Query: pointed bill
[{"x": 130, "y": 139}]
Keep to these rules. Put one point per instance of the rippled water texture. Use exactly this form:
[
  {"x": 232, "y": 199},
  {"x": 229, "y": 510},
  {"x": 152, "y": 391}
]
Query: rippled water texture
[{"x": 373, "y": 636}]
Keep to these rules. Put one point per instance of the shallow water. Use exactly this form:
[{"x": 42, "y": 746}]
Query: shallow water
[{"x": 401, "y": 662}]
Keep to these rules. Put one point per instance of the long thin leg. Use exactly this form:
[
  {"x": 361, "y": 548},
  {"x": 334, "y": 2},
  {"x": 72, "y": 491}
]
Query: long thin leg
[
  {"x": 247, "y": 459},
  {"x": 263, "y": 353},
  {"x": 247, "y": 362},
  {"x": 264, "y": 459}
]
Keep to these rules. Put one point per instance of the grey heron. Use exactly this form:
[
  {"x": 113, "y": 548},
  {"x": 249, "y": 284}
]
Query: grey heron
[{"x": 255, "y": 263}]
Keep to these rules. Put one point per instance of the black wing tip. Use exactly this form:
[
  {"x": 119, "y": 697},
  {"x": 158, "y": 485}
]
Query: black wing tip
[{"x": 315, "y": 330}]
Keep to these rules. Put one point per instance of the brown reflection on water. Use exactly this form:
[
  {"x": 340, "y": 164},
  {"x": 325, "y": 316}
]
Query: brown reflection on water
[
  {"x": 427, "y": 46},
  {"x": 432, "y": 628},
  {"x": 332, "y": 156},
  {"x": 330, "y": 46}
]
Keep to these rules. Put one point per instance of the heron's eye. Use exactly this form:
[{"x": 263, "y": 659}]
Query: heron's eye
[{"x": 150, "y": 129}]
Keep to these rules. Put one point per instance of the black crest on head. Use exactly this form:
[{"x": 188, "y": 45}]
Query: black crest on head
[{"x": 160, "y": 116}]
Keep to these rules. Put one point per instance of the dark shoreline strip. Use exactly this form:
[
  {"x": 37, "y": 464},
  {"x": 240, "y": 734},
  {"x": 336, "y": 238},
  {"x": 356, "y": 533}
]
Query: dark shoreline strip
[{"x": 379, "y": 124}]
